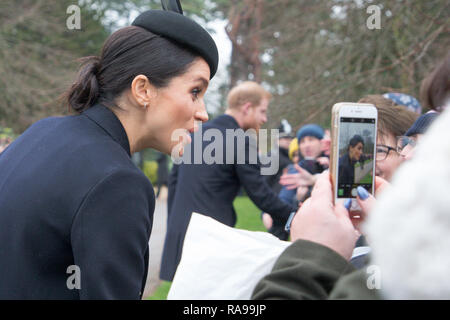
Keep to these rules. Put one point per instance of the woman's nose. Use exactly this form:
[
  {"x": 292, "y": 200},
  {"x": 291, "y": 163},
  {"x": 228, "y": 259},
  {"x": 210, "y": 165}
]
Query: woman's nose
[{"x": 201, "y": 114}]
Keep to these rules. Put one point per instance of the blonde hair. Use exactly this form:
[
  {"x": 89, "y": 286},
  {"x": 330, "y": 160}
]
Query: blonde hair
[
  {"x": 247, "y": 91},
  {"x": 293, "y": 147}
]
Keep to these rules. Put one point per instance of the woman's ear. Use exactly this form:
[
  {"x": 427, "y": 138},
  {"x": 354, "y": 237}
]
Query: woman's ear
[{"x": 141, "y": 90}]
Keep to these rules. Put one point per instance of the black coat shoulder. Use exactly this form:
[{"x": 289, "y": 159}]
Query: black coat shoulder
[{"x": 71, "y": 196}]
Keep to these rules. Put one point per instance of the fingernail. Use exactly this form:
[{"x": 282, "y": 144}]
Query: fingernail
[
  {"x": 362, "y": 193},
  {"x": 348, "y": 204}
]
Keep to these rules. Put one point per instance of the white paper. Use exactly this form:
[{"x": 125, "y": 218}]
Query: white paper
[{"x": 223, "y": 263}]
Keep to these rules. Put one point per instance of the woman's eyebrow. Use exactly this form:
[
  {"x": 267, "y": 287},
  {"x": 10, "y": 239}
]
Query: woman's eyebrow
[{"x": 203, "y": 81}]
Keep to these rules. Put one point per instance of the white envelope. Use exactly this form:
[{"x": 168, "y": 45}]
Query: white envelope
[{"x": 222, "y": 263}]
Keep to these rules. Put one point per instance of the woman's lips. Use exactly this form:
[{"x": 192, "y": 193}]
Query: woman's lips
[{"x": 192, "y": 130}]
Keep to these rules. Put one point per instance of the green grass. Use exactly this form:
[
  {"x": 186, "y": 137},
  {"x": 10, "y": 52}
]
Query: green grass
[
  {"x": 162, "y": 291},
  {"x": 248, "y": 218},
  {"x": 367, "y": 179},
  {"x": 248, "y": 215},
  {"x": 358, "y": 164}
]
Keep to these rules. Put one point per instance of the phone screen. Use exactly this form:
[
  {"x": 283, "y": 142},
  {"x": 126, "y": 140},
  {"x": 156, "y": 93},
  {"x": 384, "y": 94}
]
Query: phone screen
[{"x": 356, "y": 155}]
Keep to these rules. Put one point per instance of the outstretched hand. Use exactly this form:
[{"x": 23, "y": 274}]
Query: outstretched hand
[{"x": 300, "y": 179}]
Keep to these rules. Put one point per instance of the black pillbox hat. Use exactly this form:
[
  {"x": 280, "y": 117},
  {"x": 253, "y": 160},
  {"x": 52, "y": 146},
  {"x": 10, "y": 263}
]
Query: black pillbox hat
[{"x": 183, "y": 30}]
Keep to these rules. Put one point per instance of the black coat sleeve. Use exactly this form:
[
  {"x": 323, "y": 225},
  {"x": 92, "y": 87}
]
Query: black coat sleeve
[
  {"x": 259, "y": 191},
  {"x": 110, "y": 235}
]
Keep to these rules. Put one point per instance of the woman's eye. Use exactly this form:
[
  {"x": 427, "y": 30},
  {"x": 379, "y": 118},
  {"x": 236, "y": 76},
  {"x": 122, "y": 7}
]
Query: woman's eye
[{"x": 196, "y": 92}]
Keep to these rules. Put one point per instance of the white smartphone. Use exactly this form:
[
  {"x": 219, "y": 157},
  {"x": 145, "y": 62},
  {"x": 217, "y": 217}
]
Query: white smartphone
[{"x": 353, "y": 137}]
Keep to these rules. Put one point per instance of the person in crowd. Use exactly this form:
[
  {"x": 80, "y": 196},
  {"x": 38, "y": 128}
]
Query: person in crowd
[
  {"x": 405, "y": 148},
  {"x": 407, "y": 143},
  {"x": 310, "y": 150},
  {"x": 393, "y": 121},
  {"x": 294, "y": 156},
  {"x": 75, "y": 212},
  {"x": 402, "y": 99},
  {"x": 348, "y": 160},
  {"x": 162, "y": 173},
  {"x": 210, "y": 189},
  {"x": 284, "y": 141},
  {"x": 435, "y": 88},
  {"x": 408, "y": 230}
]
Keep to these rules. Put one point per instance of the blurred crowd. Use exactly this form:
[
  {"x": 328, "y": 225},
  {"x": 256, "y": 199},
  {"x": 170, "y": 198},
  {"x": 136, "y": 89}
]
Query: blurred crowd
[{"x": 404, "y": 225}]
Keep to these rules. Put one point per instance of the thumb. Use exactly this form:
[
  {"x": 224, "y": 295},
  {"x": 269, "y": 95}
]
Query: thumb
[
  {"x": 365, "y": 200},
  {"x": 341, "y": 211},
  {"x": 344, "y": 216}
]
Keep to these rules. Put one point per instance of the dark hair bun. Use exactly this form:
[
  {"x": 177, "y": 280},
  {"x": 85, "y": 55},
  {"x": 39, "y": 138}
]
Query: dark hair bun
[{"x": 84, "y": 92}]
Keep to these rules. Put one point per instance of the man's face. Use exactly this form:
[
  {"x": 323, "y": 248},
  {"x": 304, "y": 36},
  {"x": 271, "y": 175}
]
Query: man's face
[
  {"x": 310, "y": 147},
  {"x": 257, "y": 115}
]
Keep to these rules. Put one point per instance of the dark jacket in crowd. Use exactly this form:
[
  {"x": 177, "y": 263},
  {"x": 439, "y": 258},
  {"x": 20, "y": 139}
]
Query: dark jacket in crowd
[
  {"x": 284, "y": 161},
  {"x": 312, "y": 166},
  {"x": 163, "y": 169},
  {"x": 309, "y": 271},
  {"x": 70, "y": 197},
  {"x": 210, "y": 189},
  {"x": 346, "y": 170},
  {"x": 290, "y": 196}
]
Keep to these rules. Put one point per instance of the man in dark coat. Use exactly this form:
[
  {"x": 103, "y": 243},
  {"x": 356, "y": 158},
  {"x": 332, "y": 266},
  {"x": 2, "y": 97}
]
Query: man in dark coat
[
  {"x": 211, "y": 188},
  {"x": 75, "y": 212}
]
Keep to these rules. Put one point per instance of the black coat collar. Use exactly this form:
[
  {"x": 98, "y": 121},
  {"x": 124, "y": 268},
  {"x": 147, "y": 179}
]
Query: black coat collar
[
  {"x": 106, "y": 119},
  {"x": 228, "y": 121}
]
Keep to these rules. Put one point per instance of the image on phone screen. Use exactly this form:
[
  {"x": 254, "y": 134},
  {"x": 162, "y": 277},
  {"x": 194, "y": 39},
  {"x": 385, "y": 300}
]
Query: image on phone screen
[{"x": 356, "y": 155}]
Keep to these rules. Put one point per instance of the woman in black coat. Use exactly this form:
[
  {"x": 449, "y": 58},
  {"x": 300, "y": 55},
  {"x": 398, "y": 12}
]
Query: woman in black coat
[
  {"x": 349, "y": 159},
  {"x": 75, "y": 212}
]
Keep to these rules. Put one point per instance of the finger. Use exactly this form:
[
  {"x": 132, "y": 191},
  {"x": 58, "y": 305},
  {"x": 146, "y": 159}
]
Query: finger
[
  {"x": 289, "y": 177},
  {"x": 341, "y": 211},
  {"x": 380, "y": 185},
  {"x": 298, "y": 168},
  {"x": 322, "y": 189},
  {"x": 343, "y": 215},
  {"x": 366, "y": 205}
]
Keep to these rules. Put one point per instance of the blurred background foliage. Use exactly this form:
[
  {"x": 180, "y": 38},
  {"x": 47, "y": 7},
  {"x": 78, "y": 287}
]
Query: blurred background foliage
[{"x": 310, "y": 54}]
